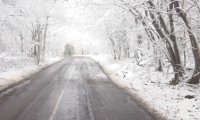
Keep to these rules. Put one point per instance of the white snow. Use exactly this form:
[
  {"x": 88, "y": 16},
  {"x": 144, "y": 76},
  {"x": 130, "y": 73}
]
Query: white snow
[
  {"x": 14, "y": 68},
  {"x": 152, "y": 89}
]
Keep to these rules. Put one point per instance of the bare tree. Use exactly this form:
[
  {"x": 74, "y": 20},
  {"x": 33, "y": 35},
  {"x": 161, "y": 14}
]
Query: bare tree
[{"x": 195, "y": 47}]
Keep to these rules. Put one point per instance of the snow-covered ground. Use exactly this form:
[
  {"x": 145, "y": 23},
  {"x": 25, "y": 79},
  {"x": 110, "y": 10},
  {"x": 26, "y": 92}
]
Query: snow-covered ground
[
  {"x": 15, "y": 69},
  {"x": 151, "y": 88}
]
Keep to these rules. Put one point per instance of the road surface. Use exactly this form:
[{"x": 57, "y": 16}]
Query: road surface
[{"x": 73, "y": 89}]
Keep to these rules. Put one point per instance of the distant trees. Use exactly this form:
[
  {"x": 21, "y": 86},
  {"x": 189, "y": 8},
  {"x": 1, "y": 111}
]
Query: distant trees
[
  {"x": 69, "y": 50},
  {"x": 26, "y": 28},
  {"x": 118, "y": 38},
  {"x": 120, "y": 44}
]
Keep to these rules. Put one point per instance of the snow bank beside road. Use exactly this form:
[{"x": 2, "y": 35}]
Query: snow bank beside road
[
  {"x": 15, "y": 69},
  {"x": 151, "y": 88}
]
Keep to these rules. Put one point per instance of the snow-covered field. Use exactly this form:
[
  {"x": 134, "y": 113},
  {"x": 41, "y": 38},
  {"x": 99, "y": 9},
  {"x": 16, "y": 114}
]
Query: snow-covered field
[
  {"x": 151, "y": 88},
  {"x": 15, "y": 69}
]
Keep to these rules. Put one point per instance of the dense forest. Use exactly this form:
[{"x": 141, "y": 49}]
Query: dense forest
[{"x": 165, "y": 31}]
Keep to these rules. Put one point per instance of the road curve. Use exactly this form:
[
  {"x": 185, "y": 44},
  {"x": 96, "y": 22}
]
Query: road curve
[{"x": 73, "y": 89}]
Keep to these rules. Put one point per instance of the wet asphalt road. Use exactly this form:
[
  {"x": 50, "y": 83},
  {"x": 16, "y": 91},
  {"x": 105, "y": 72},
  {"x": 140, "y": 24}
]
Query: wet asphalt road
[{"x": 73, "y": 89}]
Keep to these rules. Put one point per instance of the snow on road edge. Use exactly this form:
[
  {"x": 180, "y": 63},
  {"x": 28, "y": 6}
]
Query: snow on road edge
[
  {"x": 151, "y": 89},
  {"x": 14, "y": 76}
]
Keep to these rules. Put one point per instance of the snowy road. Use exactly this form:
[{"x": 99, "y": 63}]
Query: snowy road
[{"x": 73, "y": 89}]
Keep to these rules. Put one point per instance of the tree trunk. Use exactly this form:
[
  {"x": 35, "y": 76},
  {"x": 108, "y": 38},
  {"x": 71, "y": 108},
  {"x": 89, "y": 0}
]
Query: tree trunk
[
  {"x": 173, "y": 55},
  {"x": 178, "y": 66},
  {"x": 160, "y": 67},
  {"x": 45, "y": 36},
  {"x": 195, "y": 47},
  {"x": 22, "y": 43}
]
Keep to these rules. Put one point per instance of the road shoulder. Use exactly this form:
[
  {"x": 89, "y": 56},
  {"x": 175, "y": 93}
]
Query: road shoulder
[
  {"x": 139, "y": 100},
  {"x": 23, "y": 75}
]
